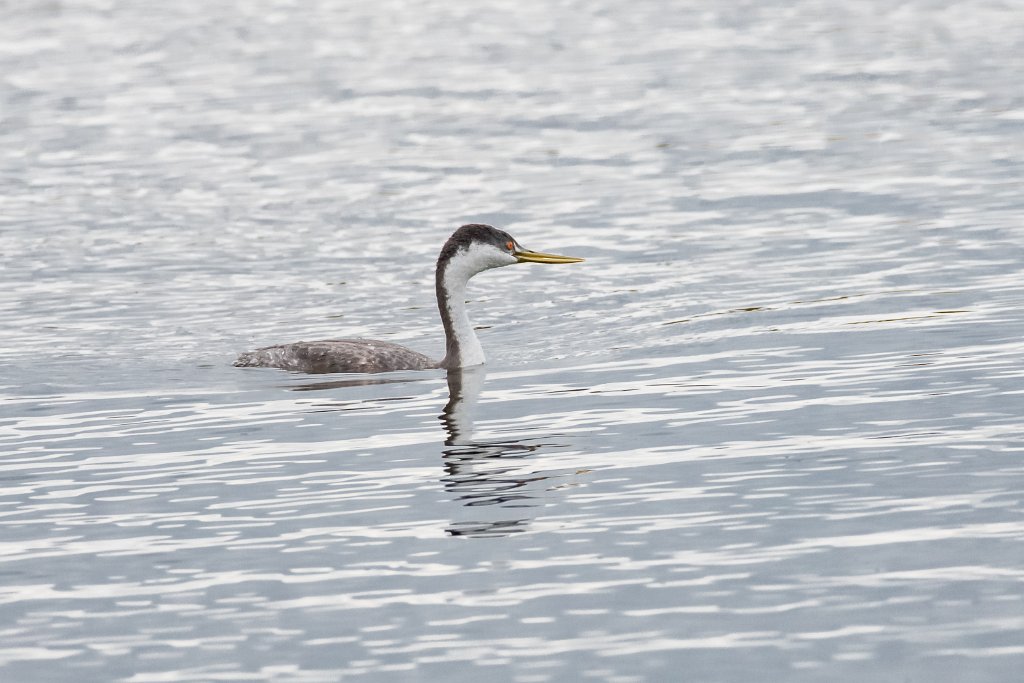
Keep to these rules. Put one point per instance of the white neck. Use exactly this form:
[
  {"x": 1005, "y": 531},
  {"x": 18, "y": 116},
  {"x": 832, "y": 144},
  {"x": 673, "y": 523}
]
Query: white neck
[
  {"x": 453, "y": 273},
  {"x": 464, "y": 348}
]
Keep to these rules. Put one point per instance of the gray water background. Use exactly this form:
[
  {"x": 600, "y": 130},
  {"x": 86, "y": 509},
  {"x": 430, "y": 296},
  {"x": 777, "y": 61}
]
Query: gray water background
[{"x": 770, "y": 430}]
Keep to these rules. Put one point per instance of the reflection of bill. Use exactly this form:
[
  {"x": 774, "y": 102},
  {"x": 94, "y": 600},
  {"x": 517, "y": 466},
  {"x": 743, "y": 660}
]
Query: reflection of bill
[{"x": 485, "y": 476}]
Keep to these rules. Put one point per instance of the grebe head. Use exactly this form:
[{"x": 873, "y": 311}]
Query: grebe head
[{"x": 475, "y": 248}]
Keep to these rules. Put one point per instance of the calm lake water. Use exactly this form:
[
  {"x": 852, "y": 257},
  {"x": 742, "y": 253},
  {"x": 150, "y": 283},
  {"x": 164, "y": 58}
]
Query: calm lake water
[{"x": 770, "y": 430}]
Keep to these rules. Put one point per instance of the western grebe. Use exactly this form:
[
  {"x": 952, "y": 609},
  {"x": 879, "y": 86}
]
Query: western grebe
[{"x": 470, "y": 250}]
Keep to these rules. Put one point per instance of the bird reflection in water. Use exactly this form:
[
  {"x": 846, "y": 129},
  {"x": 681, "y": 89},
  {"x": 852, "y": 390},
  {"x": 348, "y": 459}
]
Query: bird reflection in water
[
  {"x": 483, "y": 474},
  {"x": 487, "y": 477}
]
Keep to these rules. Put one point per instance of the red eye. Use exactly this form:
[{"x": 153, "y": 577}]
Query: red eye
[{"x": 509, "y": 245}]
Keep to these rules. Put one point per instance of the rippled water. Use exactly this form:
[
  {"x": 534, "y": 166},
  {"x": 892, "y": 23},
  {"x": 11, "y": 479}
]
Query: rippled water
[{"x": 770, "y": 430}]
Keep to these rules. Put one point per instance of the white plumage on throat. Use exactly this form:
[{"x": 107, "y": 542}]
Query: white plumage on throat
[{"x": 464, "y": 264}]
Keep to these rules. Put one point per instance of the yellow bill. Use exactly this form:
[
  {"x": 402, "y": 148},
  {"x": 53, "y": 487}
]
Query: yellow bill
[{"x": 527, "y": 256}]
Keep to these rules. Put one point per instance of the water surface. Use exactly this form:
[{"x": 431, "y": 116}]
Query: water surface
[{"x": 771, "y": 427}]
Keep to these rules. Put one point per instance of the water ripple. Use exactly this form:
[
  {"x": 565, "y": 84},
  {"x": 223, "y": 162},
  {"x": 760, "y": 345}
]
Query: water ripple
[{"x": 774, "y": 414}]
